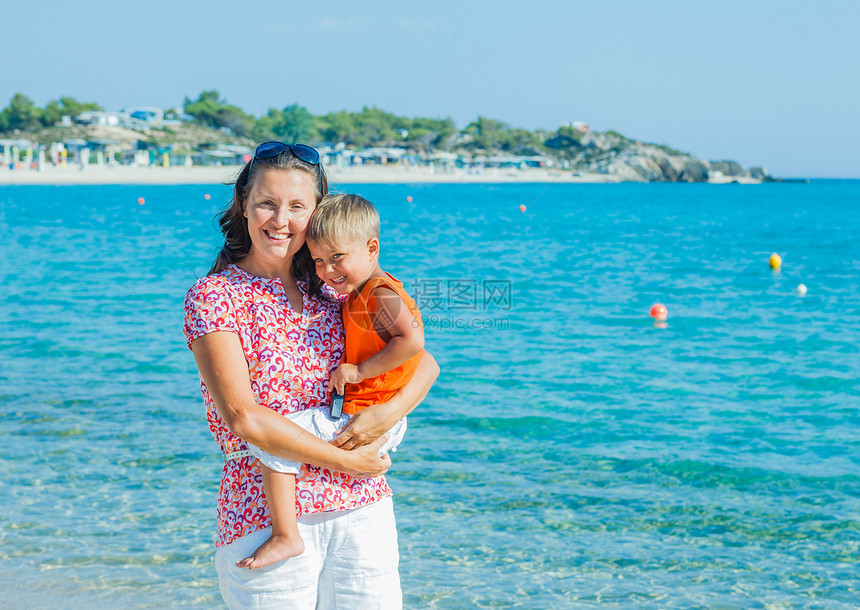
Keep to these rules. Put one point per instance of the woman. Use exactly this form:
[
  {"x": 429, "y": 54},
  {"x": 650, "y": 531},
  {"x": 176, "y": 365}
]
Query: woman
[{"x": 266, "y": 335}]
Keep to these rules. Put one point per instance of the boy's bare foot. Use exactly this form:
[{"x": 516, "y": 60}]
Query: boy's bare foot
[{"x": 276, "y": 548}]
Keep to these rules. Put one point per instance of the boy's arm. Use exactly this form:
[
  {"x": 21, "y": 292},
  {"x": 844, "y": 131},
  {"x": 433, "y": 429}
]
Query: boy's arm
[
  {"x": 391, "y": 317},
  {"x": 394, "y": 321}
]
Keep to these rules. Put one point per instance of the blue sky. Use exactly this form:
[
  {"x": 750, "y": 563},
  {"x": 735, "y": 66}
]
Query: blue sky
[{"x": 772, "y": 83}]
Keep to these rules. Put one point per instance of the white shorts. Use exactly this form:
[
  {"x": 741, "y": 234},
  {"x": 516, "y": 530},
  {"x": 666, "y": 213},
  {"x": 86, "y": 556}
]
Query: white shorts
[
  {"x": 318, "y": 423},
  {"x": 350, "y": 561}
]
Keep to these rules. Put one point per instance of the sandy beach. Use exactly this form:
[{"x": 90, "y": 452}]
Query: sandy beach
[
  {"x": 214, "y": 175},
  {"x": 125, "y": 174}
]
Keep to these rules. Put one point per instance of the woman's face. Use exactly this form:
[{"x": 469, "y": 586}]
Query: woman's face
[{"x": 278, "y": 208}]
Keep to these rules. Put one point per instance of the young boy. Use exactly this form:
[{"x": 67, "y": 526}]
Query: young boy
[{"x": 384, "y": 343}]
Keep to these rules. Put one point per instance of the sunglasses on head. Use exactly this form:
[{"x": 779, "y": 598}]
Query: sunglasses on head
[{"x": 270, "y": 150}]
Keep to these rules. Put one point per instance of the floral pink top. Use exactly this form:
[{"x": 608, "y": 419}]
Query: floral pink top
[{"x": 290, "y": 359}]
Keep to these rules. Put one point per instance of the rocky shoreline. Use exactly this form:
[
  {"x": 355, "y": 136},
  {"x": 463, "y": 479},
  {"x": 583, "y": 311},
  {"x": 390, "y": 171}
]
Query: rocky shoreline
[{"x": 629, "y": 160}]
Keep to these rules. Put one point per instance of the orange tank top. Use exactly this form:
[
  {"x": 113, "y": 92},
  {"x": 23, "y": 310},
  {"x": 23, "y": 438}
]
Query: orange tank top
[{"x": 362, "y": 342}]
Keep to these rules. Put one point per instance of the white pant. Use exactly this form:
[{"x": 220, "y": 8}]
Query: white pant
[
  {"x": 350, "y": 562},
  {"x": 318, "y": 423}
]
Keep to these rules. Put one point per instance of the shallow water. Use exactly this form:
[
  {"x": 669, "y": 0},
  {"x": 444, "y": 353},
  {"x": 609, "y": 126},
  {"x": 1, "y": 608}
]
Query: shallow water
[{"x": 571, "y": 453}]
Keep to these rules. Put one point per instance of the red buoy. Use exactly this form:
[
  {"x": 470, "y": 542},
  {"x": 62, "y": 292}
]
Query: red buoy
[
  {"x": 409, "y": 198},
  {"x": 659, "y": 312},
  {"x": 207, "y": 196},
  {"x": 140, "y": 201},
  {"x": 522, "y": 208}
]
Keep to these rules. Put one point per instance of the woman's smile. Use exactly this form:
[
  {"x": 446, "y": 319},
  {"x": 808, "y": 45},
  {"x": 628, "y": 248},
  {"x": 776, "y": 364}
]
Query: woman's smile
[{"x": 279, "y": 235}]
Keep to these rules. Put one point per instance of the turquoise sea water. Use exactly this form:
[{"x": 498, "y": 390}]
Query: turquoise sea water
[{"x": 571, "y": 454}]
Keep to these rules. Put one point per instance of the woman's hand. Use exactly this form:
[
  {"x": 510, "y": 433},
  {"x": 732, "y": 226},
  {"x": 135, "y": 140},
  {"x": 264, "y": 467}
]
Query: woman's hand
[
  {"x": 370, "y": 424},
  {"x": 365, "y": 427},
  {"x": 364, "y": 462}
]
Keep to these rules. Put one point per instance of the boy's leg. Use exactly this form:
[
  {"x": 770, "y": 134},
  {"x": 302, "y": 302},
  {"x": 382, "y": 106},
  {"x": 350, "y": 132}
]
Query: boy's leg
[
  {"x": 318, "y": 423},
  {"x": 285, "y": 541}
]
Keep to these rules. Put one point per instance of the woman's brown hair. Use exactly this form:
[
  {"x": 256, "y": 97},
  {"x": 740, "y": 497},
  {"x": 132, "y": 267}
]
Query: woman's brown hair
[{"x": 234, "y": 225}]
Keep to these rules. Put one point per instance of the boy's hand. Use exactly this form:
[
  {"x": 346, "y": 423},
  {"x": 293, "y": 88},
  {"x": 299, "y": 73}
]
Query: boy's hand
[{"x": 345, "y": 373}]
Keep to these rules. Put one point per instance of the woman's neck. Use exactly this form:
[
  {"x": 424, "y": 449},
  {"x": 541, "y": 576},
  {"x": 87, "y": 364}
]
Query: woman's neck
[{"x": 283, "y": 270}]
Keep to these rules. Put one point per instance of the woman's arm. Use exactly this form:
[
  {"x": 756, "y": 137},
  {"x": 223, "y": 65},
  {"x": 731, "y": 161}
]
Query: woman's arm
[
  {"x": 222, "y": 366},
  {"x": 369, "y": 425}
]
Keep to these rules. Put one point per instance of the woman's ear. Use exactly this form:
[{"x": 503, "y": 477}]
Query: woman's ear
[{"x": 373, "y": 247}]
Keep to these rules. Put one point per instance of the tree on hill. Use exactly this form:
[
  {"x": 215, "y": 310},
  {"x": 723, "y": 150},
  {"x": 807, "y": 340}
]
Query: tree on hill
[
  {"x": 519, "y": 142},
  {"x": 66, "y": 106},
  {"x": 21, "y": 113},
  {"x": 565, "y": 142},
  {"x": 429, "y": 133},
  {"x": 293, "y": 124},
  {"x": 212, "y": 111},
  {"x": 370, "y": 127},
  {"x": 374, "y": 127},
  {"x": 335, "y": 127},
  {"x": 485, "y": 132}
]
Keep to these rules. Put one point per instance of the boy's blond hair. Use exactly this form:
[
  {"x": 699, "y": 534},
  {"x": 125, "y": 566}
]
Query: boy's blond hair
[{"x": 343, "y": 219}]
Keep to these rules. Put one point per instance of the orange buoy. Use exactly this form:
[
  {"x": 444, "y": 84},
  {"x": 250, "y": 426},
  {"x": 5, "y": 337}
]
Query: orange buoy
[
  {"x": 140, "y": 201},
  {"x": 522, "y": 208},
  {"x": 659, "y": 312}
]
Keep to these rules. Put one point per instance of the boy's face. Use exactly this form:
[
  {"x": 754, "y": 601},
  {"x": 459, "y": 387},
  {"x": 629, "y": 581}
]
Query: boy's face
[{"x": 345, "y": 267}]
